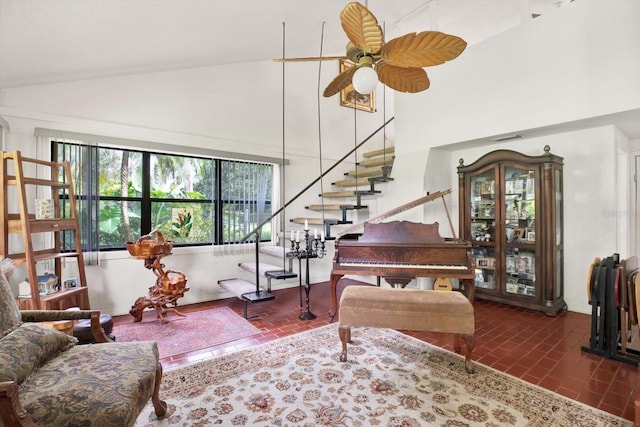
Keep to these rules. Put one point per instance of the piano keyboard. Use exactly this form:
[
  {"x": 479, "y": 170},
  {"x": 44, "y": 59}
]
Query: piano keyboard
[{"x": 412, "y": 266}]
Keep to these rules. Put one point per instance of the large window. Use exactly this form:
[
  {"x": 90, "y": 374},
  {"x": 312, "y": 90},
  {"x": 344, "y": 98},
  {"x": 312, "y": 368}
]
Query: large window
[{"x": 124, "y": 194}]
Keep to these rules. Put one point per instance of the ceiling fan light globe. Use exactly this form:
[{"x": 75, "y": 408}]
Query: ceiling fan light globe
[{"x": 365, "y": 80}]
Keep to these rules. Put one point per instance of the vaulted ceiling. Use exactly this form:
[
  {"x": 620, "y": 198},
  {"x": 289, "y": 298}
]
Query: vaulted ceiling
[{"x": 45, "y": 41}]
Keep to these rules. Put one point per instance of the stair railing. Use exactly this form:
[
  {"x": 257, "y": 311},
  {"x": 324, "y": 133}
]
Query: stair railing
[{"x": 256, "y": 231}]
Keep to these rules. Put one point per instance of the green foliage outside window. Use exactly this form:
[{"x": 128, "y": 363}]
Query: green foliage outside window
[{"x": 179, "y": 196}]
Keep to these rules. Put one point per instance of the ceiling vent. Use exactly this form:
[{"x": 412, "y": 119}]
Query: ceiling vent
[{"x": 507, "y": 137}]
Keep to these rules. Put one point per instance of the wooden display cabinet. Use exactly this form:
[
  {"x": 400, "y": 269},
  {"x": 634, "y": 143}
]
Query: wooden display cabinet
[{"x": 511, "y": 211}]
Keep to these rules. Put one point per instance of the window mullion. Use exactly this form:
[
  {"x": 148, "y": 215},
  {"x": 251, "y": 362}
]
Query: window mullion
[{"x": 145, "y": 207}]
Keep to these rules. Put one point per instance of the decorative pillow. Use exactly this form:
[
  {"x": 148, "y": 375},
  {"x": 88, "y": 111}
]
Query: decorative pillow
[
  {"x": 10, "y": 317},
  {"x": 27, "y": 348}
]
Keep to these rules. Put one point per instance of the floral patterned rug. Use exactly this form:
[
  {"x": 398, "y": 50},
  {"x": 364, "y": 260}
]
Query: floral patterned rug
[
  {"x": 200, "y": 329},
  {"x": 390, "y": 379}
]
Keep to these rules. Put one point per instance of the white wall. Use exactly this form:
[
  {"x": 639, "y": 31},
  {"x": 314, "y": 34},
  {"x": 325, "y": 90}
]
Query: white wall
[{"x": 562, "y": 67}]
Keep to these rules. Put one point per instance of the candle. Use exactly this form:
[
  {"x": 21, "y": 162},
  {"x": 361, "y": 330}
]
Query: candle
[
  {"x": 298, "y": 236},
  {"x": 291, "y": 235},
  {"x": 306, "y": 225},
  {"x": 322, "y": 236},
  {"x": 315, "y": 233}
]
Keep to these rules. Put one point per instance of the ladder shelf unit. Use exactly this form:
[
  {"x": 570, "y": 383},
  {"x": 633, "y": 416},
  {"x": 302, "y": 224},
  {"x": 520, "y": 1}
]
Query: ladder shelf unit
[{"x": 22, "y": 182}]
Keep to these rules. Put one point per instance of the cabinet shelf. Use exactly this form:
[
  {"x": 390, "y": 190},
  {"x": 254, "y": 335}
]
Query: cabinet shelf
[
  {"x": 525, "y": 196},
  {"x": 42, "y": 255},
  {"x": 12, "y": 180},
  {"x": 523, "y": 245},
  {"x": 484, "y": 244},
  {"x": 58, "y": 300}
]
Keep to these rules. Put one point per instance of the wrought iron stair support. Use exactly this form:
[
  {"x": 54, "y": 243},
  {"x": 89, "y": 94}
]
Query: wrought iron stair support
[
  {"x": 259, "y": 295},
  {"x": 359, "y": 195},
  {"x": 327, "y": 228},
  {"x": 344, "y": 209}
]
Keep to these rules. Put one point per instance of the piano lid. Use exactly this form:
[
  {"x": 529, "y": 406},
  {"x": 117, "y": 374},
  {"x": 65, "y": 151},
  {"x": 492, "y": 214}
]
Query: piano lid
[
  {"x": 404, "y": 207},
  {"x": 401, "y": 231}
]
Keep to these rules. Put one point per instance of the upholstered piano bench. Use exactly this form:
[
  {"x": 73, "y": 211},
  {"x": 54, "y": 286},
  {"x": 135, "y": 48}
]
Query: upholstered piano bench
[{"x": 408, "y": 309}]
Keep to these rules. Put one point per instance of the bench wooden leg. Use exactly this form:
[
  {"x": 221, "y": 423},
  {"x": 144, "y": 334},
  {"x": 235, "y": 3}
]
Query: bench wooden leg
[
  {"x": 159, "y": 406},
  {"x": 345, "y": 336},
  {"x": 468, "y": 341},
  {"x": 456, "y": 343}
]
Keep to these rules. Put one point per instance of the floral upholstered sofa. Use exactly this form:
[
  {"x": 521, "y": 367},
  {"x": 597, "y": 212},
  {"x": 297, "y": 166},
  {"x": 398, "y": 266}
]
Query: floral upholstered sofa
[{"x": 48, "y": 380}]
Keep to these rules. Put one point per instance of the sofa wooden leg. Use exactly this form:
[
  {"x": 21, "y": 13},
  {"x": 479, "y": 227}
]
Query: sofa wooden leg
[
  {"x": 12, "y": 413},
  {"x": 345, "y": 336},
  {"x": 160, "y": 406}
]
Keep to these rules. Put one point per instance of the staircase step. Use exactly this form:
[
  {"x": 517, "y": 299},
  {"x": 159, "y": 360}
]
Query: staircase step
[
  {"x": 274, "y": 250},
  {"x": 246, "y": 291},
  {"x": 373, "y": 171},
  {"x": 376, "y": 161},
  {"x": 312, "y": 221},
  {"x": 264, "y": 268},
  {"x": 326, "y": 207},
  {"x": 353, "y": 182},
  {"x": 280, "y": 274},
  {"x": 338, "y": 194},
  {"x": 237, "y": 287},
  {"x": 340, "y": 208},
  {"x": 381, "y": 179},
  {"x": 379, "y": 152}
]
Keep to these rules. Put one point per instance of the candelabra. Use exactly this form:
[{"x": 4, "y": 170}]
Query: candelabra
[{"x": 310, "y": 248}]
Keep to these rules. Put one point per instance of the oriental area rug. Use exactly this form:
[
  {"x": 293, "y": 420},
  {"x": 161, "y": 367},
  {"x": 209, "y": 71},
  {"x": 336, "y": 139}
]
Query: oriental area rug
[
  {"x": 389, "y": 379},
  {"x": 198, "y": 330}
]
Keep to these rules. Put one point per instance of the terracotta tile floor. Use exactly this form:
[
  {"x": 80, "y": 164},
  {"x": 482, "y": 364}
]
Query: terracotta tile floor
[{"x": 539, "y": 349}]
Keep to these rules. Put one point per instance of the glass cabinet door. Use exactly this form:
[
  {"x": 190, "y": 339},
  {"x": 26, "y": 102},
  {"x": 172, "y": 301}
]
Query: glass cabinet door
[
  {"x": 520, "y": 231},
  {"x": 483, "y": 228}
]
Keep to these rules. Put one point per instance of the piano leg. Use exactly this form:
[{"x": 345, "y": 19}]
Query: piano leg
[
  {"x": 469, "y": 289},
  {"x": 333, "y": 284}
]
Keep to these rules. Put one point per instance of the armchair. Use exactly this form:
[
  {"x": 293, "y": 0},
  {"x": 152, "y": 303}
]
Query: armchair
[{"x": 48, "y": 380}]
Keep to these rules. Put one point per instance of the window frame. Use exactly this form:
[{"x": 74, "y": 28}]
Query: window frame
[{"x": 217, "y": 203}]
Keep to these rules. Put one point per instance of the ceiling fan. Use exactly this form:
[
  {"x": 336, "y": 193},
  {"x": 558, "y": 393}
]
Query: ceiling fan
[{"x": 397, "y": 63}]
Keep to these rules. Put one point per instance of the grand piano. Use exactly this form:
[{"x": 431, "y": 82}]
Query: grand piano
[{"x": 400, "y": 251}]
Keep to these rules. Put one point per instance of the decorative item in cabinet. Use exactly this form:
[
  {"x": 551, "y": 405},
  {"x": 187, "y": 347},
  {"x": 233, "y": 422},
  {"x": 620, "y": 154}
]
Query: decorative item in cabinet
[
  {"x": 49, "y": 186},
  {"x": 506, "y": 200}
]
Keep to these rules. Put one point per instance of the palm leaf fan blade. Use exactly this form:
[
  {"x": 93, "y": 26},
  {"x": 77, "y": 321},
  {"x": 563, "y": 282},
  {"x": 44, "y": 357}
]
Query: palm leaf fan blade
[
  {"x": 401, "y": 79},
  {"x": 340, "y": 82},
  {"x": 423, "y": 49},
  {"x": 362, "y": 28}
]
